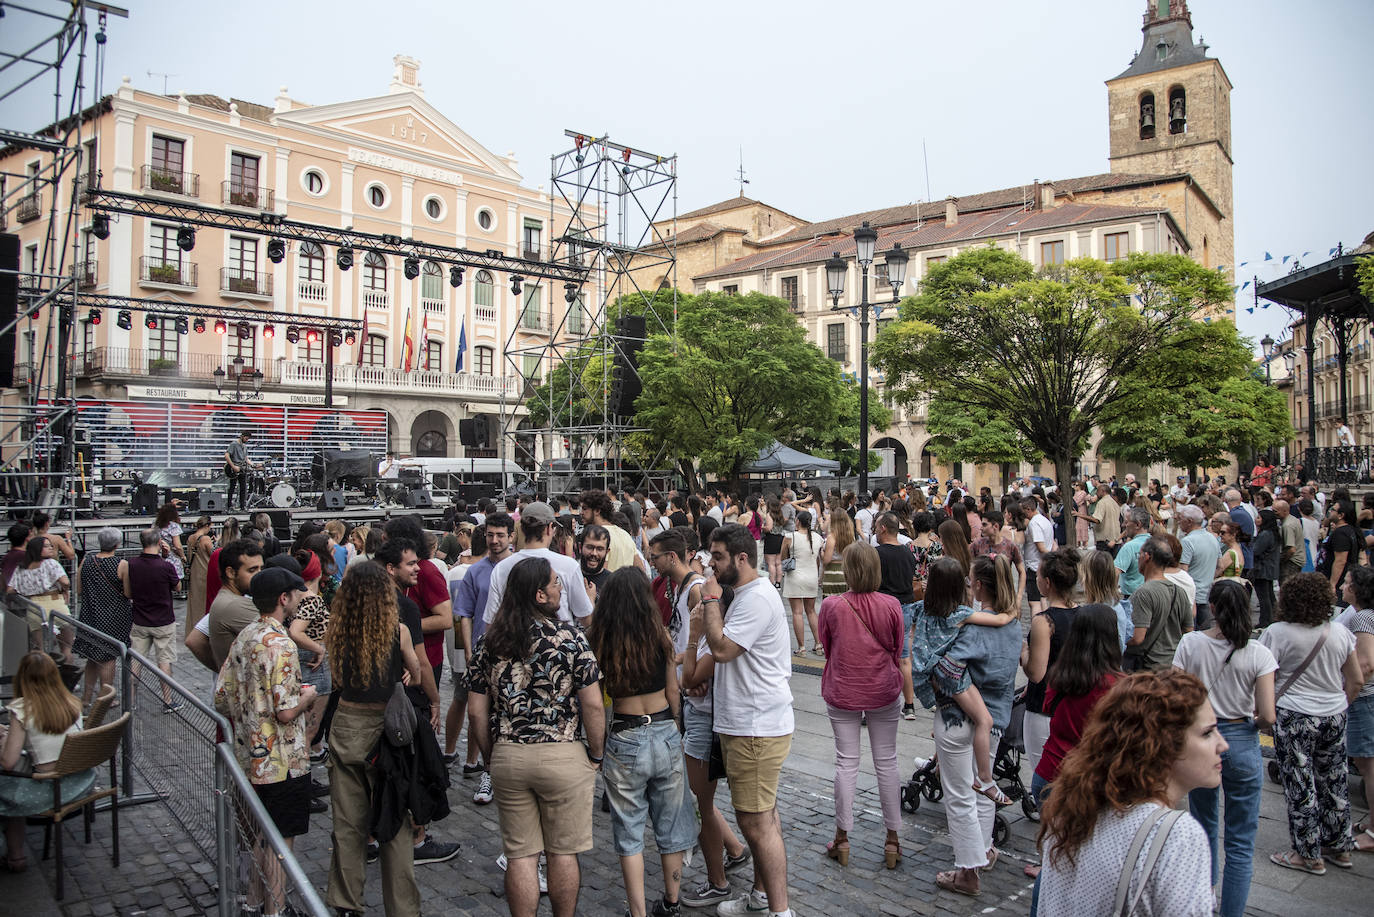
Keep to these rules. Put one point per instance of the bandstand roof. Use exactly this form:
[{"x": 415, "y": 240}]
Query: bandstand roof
[{"x": 1329, "y": 289}]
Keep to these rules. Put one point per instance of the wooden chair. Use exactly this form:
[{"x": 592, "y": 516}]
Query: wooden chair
[
  {"x": 83, "y": 751},
  {"x": 100, "y": 707}
]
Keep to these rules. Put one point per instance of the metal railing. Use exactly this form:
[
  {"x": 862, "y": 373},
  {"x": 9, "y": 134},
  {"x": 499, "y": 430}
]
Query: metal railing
[
  {"x": 536, "y": 320},
  {"x": 134, "y": 361},
  {"x": 240, "y": 282},
  {"x": 238, "y": 194},
  {"x": 154, "y": 270},
  {"x": 168, "y": 181},
  {"x": 393, "y": 379},
  {"x": 87, "y": 273},
  {"x": 30, "y": 208},
  {"x": 1339, "y": 464}
]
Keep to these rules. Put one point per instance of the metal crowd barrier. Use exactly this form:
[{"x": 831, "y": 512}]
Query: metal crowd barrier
[{"x": 176, "y": 753}]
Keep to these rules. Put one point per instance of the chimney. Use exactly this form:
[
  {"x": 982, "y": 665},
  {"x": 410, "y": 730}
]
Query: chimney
[
  {"x": 1046, "y": 201},
  {"x": 951, "y": 211}
]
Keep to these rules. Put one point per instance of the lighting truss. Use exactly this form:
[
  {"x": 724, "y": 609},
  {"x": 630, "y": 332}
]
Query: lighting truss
[{"x": 231, "y": 315}]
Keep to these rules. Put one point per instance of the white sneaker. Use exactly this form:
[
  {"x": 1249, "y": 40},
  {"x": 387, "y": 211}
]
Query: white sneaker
[
  {"x": 483, "y": 794},
  {"x": 756, "y": 902},
  {"x": 543, "y": 877}
]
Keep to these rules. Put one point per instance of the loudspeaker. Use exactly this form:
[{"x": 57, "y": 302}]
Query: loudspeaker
[
  {"x": 625, "y": 384},
  {"x": 145, "y": 500},
  {"x": 476, "y": 490},
  {"x": 467, "y": 431},
  {"x": 210, "y": 502},
  {"x": 417, "y": 498},
  {"x": 281, "y": 523},
  {"x": 9, "y": 305},
  {"x": 330, "y": 501}
]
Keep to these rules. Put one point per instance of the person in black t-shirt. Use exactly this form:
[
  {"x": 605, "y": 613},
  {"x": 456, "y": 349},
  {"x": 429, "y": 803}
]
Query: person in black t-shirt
[
  {"x": 1341, "y": 549},
  {"x": 898, "y": 569},
  {"x": 593, "y": 545}
]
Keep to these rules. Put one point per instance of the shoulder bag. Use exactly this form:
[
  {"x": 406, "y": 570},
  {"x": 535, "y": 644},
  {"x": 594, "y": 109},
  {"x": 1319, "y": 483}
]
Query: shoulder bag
[
  {"x": 1166, "y": 819},
  {"x": 398, "y": 719},
  {"x": 1302, "y": 667},
  {"x": 1134, "y": 658}
]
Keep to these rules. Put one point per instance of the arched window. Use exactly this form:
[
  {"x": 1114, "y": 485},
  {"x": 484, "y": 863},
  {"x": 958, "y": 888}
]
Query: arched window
[
  {"x": 1147, "y": 116},
  {"x": 1178, "y": 110},
  {"x": 432, "y": 443},
  {"x": 374, "y": 272},
  {"x": 312, "y": 263},
  {"x": 431, "y": 281},
  {"x": 482, "y": 290}
]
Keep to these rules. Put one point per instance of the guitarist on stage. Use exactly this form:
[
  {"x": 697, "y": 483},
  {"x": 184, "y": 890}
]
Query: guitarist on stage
[{"x": 236, "y": 465}]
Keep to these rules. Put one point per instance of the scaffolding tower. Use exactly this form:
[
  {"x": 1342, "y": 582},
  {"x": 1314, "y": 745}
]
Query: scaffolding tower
[
  {"x": 622, "y": 231},
  {"x": 41, "y": 462}
]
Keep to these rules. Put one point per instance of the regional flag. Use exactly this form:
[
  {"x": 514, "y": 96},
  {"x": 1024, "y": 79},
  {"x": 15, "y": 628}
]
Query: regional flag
[{"x": 423, "y": 362}]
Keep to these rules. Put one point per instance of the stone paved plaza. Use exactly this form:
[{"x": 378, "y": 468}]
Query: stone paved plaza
[{"x": 162, "y": 873}]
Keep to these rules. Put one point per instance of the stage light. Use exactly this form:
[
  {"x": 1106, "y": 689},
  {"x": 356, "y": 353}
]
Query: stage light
[
  {"x": 293, "y": 334},
  {"x": 311, "y": 335},
  {"x": 245, "y": 331},
  {"x": 221, "y": 327},
  {"x": 186, "y": 238},
  {"x": 344, "y": 259},
  {"x": 100, "y": 226},
  {"x": 276, "y": 251},
  {"x": 570, "y": 293},
  {"x": 515, "y": 281},
  {"x": 150, "y": 322},
  {"x": 269, "y": 330},
  {"x": 455, "y": 276},
  {"x": 183, "y": 326},
  {"x": 335, "y": 339},
  {"x": 199, "y": 326},
  {"x": 124, "y": 320},
  {"x": 411, "y": 268},
  {"x": 350, "y": 339},
  {"x": 94, "y": 317}
]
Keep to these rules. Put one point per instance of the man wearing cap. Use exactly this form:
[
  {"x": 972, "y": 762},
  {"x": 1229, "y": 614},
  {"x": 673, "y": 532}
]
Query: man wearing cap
[
  {"x": 1179, "y": 491},
  {"x": 260, "y": 692},
  {"x": 536, "y": 523},
  {"x": 1199, "y": 559}
]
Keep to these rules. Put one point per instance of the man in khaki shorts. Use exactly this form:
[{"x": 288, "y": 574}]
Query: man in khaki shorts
[
  {"x": 150, "y": 585},
  {"x": 752, "y": 649}
]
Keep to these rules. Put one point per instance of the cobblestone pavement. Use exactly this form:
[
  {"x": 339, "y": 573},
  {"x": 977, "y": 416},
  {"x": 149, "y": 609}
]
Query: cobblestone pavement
[{"x": 162, "y": 872}]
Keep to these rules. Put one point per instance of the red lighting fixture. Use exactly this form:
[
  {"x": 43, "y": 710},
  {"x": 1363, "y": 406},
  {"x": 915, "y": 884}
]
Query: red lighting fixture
[
  {"x": 312, "y": 335},
  {"x": 95, "y": 317},
  {"x": 221, "y": 327},
  {"x": 150, "y": 322},
  {"x": 268, "y": 331}
]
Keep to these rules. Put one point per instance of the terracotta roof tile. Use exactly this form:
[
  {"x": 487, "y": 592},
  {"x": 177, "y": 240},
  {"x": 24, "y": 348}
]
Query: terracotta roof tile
[
  {"x": 731, "y": 204},
  {"x": 250, "y": 110}
]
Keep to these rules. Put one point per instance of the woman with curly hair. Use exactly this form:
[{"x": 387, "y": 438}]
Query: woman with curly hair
[
  {"x": 644, "y": 771},
  {"x": 368, "y": 652},
  {"x": 1318, "y": 676},
  {"x": 1151, "y": 740}
]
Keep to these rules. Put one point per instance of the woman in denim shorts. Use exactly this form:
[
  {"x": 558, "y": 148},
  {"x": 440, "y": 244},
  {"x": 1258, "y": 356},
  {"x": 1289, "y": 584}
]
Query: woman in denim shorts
[{"x": 643, "y": 769}]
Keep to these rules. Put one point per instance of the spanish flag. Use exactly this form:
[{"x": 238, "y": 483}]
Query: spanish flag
[{"x": 408, "y": 346}]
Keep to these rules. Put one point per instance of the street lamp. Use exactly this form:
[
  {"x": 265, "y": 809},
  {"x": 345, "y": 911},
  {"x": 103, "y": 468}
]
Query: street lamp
[
  {"x": 1268, "y": 344},
  {"x": 865, "y": 241},
  {"x": 239, "y": 394}
]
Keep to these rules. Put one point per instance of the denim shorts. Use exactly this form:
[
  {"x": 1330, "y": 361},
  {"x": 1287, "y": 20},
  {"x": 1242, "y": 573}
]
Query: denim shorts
[
  {"x": 319, "y": 677},
  {"x": 697, "y": 732},
  {"x": 908, "y": 619},
  {"x": 646, "y": 779},
  {"x": 1359, "y": 728}
]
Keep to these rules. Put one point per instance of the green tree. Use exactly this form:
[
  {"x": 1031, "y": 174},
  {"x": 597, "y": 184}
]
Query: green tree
[
  {"x": 1045, "y": 353},
  {"x": 838, "y": 437},
  {"x": 1364, "y": 271},
  {"x": 962, "y": 434}
]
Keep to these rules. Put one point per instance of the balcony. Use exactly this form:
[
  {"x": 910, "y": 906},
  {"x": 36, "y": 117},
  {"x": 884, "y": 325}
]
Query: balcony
[
  {"x": 484, "y": 313},
  {"x": 531, "y": 254},
  {"x": 535, "y": 320},
  {"x": 87, "y": 274},
  {"x": 237, "y": 282},
  {"x": 251, "y": 197},
  {"x": 136, "y": 363},
  {"x": 433, "y": 306},
  {"x": 388, "y": 379},
  {"x": 166, "y": 181},
  {"x": 376, "y": 299},
  {"x": 160, "y": 273},
  {"x": 1332, "y": 465},
  {"x": 312, "y": 291},
  {"x": 30, "y": 208}
]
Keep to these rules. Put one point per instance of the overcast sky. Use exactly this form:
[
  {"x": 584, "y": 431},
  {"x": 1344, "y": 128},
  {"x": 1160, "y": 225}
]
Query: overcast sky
[{"x": 830, "y": 109}]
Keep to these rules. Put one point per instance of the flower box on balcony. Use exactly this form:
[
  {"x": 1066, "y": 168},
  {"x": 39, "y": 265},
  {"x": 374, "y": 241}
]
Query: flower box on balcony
[
  {"x": 165, "y": 181},
  {"x": 243, "y": 198},
  {"x": 164, "y": 273},
  {"x": 162, "y": 367},
  {"x": 243, "y": 285}
]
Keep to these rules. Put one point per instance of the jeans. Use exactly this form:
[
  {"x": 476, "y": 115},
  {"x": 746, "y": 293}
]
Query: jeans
[
  {"x": 908, "y": 619},
  {"x": 1242, "y": 778},
  {"x": 969, "y": 814},
  {"x": 882, "y": 740},
  {"x": 1035, "y": 733},
  {"x": 646, "y": 778}
]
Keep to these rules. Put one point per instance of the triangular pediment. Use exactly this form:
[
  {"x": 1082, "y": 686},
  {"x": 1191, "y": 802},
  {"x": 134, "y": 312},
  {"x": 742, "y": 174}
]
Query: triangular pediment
[{"x": 406, "y": 123}]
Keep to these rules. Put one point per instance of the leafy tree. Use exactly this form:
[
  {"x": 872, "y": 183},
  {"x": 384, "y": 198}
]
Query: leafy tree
[
  {"x": 838, "y": 437},
  {"x": 962, "y": 434},
  {"x": 1047, "y": 353},
  {"x": 1364, "y": 272}
]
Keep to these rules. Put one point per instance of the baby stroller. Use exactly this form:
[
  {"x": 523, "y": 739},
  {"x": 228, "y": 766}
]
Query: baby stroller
[
  {"x": 1006, "y": 762},
  {"x": 926, "y": 782}
]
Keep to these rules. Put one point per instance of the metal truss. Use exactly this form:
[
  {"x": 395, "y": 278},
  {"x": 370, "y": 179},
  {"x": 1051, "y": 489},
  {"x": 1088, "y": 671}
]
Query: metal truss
[
  {"x": 274, "y": 225},
  {"x": 192, "y": 310},
  {"x": 617, "y": 195}
]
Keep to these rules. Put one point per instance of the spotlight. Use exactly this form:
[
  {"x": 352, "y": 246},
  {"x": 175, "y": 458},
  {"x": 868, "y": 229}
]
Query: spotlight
[
  {"x": 455, "y": 276},
  {"x": 293, "y": 334},
  {"x": 311, "y": 335},
  {"x": 183, "y": 326},
  {"x": 94, "y": 317},
  {"x": 570, "y": 293},
  {"x": 345, "y": 257},
  {"x": 276, "y": 251},
  {"x": 199, "y": 326},
  {"x": 124, "y": 320},
  {"x": 150, "y": 322},
  {"x": 221, "y": 327},
  {"x": 100, "y": 226},
  {"x": 515, "y": 281},
  {"x": 269, "y": 330},
  {"x": 245, "y": 331},
  {"x": 186, "y": 238},
  {"x": 411, "y": 268},
  {"x": 335, "y": 339},
  {"x": 350, "y": 339}
]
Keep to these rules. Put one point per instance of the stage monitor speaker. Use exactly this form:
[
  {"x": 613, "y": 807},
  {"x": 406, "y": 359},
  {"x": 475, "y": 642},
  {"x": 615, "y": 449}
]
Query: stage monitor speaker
[
  {"x": 467, "y": 431},
  {"x": 476, "y": 490},
  {"x": 9, "y": 305},
  {"x": 331, "y": 499},
  {"x": 145, "y": 501},
  {"x": 210, "y": 502},
  {"x": 281, "y": 523},
  {"x": 417, "y": 498}
]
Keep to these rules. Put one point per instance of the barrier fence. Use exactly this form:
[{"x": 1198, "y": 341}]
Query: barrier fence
[{"x": 177, "y": 754}]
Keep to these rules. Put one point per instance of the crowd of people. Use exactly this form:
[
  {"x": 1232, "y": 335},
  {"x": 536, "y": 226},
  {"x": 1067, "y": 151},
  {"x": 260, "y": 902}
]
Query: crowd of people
[{"x": 647, "y": 644}]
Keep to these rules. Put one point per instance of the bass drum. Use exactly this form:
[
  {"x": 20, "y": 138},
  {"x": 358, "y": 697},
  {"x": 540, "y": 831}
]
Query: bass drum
[{"x": 284, "y": 496}]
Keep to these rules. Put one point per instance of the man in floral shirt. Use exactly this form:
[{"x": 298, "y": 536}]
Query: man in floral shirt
[{"x": 260, "y": 692}]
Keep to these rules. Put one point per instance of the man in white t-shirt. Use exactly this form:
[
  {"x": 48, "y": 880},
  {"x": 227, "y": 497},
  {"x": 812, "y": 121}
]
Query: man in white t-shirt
[
  {"x": 1180, "y": 490},
  {"x": 752, "y": 650},
  {"x": 1039, "y": 541},
  {"x": 536, "y": 522}
]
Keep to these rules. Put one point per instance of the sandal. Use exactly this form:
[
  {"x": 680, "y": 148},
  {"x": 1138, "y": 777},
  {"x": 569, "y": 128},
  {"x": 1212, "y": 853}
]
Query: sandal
[
  {"x": 838, "y": 850},
  {"x": 1341, "y": 859},
  {"x": 992, "y": 859},
  {"x": 892, "y": 854},
  {"x": 992, "y": 791},
  {"x": 1360, "y": 832},
  {"x": 16, "y": 864},
  {"x": 1290, "y": 859},
  {"x": 949, "y": 881}
]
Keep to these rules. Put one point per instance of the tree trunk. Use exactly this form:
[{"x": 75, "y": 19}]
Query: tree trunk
[{"x": 1062, "y": 464}]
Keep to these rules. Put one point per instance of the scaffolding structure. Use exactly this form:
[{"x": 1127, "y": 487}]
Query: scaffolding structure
[
  {"x": 38, "y": 452},
  {"x": 622, "y": 231}
]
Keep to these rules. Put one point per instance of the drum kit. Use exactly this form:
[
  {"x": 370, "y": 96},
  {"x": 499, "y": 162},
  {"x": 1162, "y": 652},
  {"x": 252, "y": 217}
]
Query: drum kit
[{"x": 269, "y": 488}]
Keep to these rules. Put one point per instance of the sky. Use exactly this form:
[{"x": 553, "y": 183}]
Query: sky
[{"x": 828, "y": 104}]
